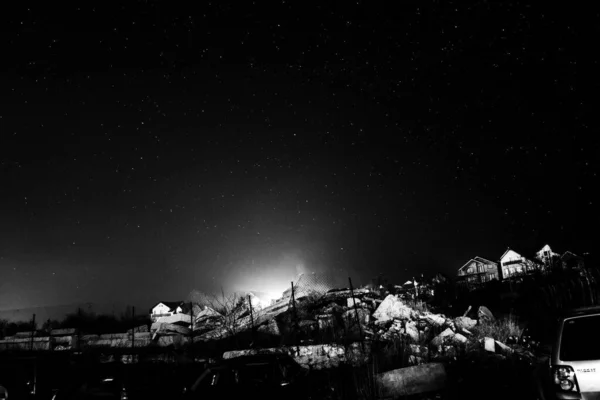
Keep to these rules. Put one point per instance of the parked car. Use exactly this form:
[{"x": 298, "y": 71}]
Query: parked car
[
  {"x": 127, "y": 382},
  {"x": 572, "y": 368},
  {"x": 271, "y": 376}
]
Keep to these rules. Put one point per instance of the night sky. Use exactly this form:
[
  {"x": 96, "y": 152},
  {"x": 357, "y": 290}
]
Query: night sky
[{"x": 148, "y": 149}]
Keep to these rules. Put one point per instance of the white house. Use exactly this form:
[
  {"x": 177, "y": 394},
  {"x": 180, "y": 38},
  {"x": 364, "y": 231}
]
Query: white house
[
  {"x": 478, "y": 270},
  {"x": 166, "y": 309},
  {"x": 512, "y": 263},
  {"x": 546, "y": 255}
]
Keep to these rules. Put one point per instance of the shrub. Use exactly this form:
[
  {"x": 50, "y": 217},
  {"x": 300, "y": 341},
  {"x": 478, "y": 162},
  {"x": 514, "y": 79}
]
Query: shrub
[{"x": 499, "y": 330}]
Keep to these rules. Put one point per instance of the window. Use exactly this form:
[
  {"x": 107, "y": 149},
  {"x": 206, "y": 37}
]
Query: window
[{"x": 579, "y": 339}]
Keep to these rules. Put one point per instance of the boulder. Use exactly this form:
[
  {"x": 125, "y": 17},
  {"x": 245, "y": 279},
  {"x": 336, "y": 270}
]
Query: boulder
[
  {"x": 412, "y": 380},
  {"x": 489, "y": 344},
  {"x": 326, "y": 322},
  {"x": 411, "y": 331},
  {"x": 138, "y": 329},
  {"x": 421, "y": 351},
  {"x": 415, "y": 360},
  {"x": 63, "y": 332},
  {"x": 446, "y": 336},
  {"x": 502, "y": 348},
  {"x": 392, "y": 307},
  {"x": 164, "y": 327},
  {"x": 351, "y": 301},
  {"x": 364, "y": 316},
  {"x": 464, "y": 323},
  {"x": 332, "y": 308},
  {"x": 270, "y": 328},
  {"x": 458, "y": 338},
  {"x": 435, "y": 319},
  {"x": 484, "y": 314}
]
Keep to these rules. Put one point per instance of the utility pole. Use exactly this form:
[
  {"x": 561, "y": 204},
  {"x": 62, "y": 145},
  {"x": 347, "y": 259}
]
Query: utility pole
[
  {"x": 362, "y": 344},
  {"x": 79, "y": 329},
  {"x": 251, "y": 318},
  {"x": 132, "y": 333},
  {"x": 192, "y": 331},
  {"x": 295, "y": 315}
]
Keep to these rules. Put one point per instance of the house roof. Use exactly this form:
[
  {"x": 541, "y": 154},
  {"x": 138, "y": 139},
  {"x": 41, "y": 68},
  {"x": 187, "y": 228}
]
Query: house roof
[
  {"x": 507, "y": 250},
  {"x": 480, "y": 259},
  {"x": 570, "y": 254},
  {"x": 171, "y": 304}
]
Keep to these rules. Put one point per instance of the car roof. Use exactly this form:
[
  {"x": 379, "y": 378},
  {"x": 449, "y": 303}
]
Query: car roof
[
  {"x": 256, "y": 358},
  {"x": 583, "y": 311}
]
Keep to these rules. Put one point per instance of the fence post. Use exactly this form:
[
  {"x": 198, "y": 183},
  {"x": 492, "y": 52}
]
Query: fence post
[
  {"x": 132, "y": 333},
  {"x": 79, "y": 329},
  {"x": 32, "y": 331},
  {"x": 362, "y": 344}
]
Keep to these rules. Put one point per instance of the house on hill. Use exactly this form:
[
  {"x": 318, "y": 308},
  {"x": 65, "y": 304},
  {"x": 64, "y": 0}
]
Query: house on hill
[
  {"x": 478, "y": 270},
  {"x": 166, "y": 309},
  {"x": 548, "y": 257},
  {"x": 572, "y": 261},
  {"x": 514, "y": 264},
  {"x": 568, "y": 260}
]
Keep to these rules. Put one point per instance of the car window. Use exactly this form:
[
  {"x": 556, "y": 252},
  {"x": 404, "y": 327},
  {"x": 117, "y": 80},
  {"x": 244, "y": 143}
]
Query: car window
[
  {"x": 289, "y": 369},
  {"x": 579, "y": 340},
  {"x": 215, "y": 377},
  {"x": 257, "y": 373}
]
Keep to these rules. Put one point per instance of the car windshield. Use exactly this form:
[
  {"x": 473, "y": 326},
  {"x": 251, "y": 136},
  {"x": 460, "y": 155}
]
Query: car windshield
[
  {"x": 579, "y": 339},
  {"x": 256, "y": 373}
]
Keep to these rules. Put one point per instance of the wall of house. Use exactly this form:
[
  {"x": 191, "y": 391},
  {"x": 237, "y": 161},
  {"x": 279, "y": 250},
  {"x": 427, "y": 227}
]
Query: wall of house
[
  {"x": 474, "y": 268},
  {"x": 161, "y": 309}
]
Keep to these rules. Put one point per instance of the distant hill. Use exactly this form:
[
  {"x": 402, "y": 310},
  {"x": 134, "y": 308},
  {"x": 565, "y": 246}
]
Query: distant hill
[{"x": 59, "y": 312}]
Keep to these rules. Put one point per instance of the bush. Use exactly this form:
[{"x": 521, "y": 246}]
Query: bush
[{"x": 499, "y": 330}]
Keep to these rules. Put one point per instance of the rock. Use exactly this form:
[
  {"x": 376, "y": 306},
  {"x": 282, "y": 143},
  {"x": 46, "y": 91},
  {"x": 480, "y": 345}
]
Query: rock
[
  {"x": 412, "y": 380},
  {"x": 164, "y": 327},
  {"x": 466, "y": 332},
  {"x": 485, "y": 314},
  {"x": 63, "y": 332},
  {"x": 332, "y": 308},
  {"x": 443, "y": 337},
  {"x": 458, "y": 338},
  {"x": 412, "y": 331},
  {"x": 489, "y": 344},
  {"x": 351, "y": 301},
  {"x": 422, "y": 351},
  {"x": 21, "y": 335},
  {"x": 502, "y": 348},
  {"x": 270, "y": 328},
  {"x": 349, "y": 316},
  {"x": 326, "y": 322},
  {"x": 435, "y": 320},
  {"x": 464, "y": 323},
  {"x": 138, "y": 329},
  {"x": 415, "y": 360},
  {"x": 392, "y": 307}
]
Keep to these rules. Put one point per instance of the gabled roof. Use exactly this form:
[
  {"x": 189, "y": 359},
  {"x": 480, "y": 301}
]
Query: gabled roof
[
  {"x": 485, "y": 260},
  {"x": 171, "y": 304},
  {"x": 480, "y": 259},
  {"x": 507, "y": 250},
  {"x": 570, "y": 254}
]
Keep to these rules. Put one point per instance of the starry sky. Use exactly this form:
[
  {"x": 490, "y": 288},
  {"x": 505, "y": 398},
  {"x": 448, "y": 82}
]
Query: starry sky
[{"x": 148, "y": 148}]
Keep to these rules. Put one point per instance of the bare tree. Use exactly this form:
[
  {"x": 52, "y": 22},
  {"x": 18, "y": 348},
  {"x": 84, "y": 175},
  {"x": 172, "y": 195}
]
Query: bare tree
[{"x": 232, "y": 313}]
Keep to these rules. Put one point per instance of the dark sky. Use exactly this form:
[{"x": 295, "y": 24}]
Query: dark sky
[{"x": 149, "y": 149}]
